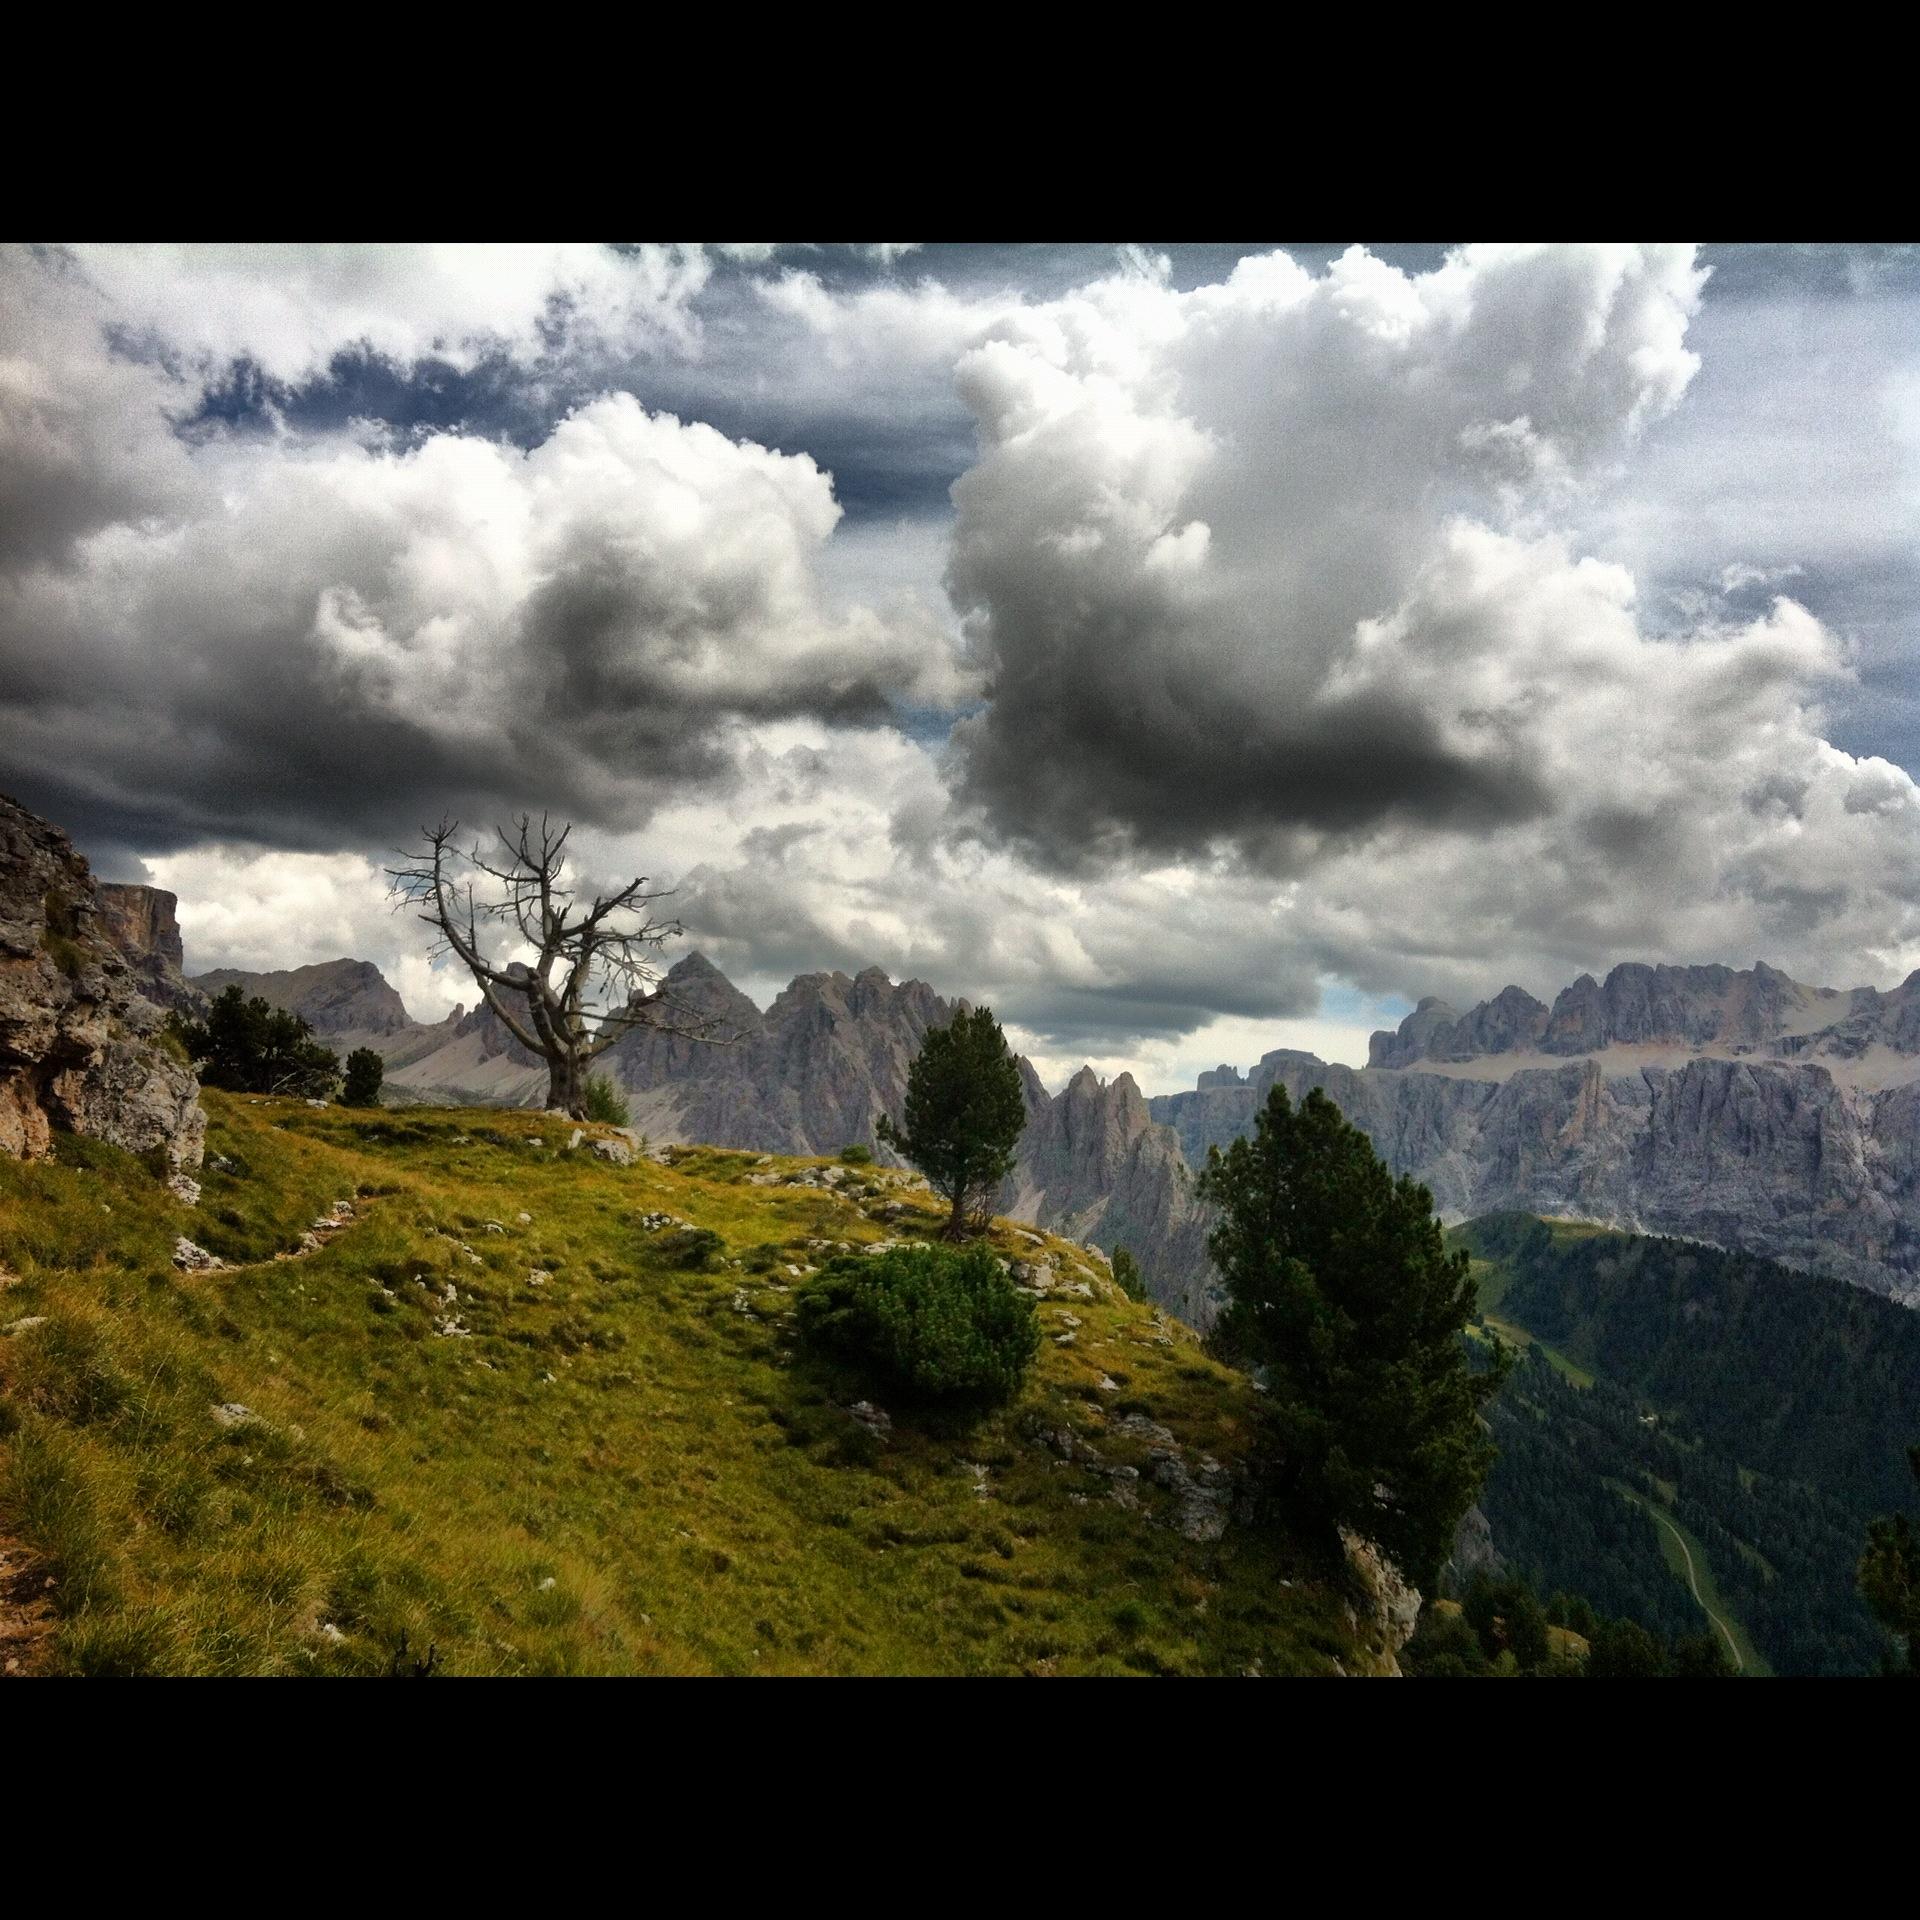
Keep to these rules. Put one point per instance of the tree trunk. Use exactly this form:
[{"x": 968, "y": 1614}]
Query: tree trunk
[
  {"x": 566, "y": 1088},
  {"x": 956, "y": 1221}
]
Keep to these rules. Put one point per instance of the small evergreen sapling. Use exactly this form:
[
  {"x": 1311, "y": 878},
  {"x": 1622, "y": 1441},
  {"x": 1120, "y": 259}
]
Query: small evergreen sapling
[
  {"x": 964, "y": 1114},
  {"x": 605, "y": 1102}
]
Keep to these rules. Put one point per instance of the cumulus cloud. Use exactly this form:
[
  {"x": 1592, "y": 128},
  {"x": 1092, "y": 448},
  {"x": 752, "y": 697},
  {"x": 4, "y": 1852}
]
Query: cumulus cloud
[
  {"x": 1698, "y": 813},
  {"x": 314, "y": 642},
  {"x": 288, "y": 310},
  {"x": 1299, "y": 621},
  {"x": 237, "y": 904},
  {"x": 1186, "y": 504}
]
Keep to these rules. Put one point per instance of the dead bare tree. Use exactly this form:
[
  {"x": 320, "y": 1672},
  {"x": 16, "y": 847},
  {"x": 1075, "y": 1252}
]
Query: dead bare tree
[{"x": 566, "y": 1007}]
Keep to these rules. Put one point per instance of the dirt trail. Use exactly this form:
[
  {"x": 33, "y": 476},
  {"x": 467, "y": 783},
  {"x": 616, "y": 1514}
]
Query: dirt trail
[
  {"x": 26, "y": 1612},
  {"x": 1739, "y": 1665}
]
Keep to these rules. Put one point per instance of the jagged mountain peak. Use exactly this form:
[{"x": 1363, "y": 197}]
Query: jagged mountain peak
[{"x": 695, "y": 966}]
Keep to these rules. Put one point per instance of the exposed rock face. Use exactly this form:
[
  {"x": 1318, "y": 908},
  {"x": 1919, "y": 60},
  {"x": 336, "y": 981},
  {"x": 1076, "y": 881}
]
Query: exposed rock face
[
  {"x": 333, "y": 997},
  {"x": 141, "y": 922},
  {"x": 1094, "y": 1166},
  {"x": 1770, "y": 1157},
  {"x": 1686, "y": 1009},
  {"x": 811, "y": 1075},
  {"x": 1392, "y": 1607},
  {"x": 76, "y": 1048},
  {"x": 1473, "y": 1551}
]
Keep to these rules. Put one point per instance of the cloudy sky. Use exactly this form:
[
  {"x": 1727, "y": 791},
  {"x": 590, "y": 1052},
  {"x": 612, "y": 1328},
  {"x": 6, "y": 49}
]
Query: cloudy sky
[{"x": 1188, "y": 650}]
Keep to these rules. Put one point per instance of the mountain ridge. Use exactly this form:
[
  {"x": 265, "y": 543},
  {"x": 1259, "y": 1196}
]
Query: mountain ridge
[{"x": 1705, "y": 1102}]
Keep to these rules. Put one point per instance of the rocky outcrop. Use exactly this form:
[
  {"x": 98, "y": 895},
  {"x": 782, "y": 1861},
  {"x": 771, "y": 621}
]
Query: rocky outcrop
[
  {"x": 1390, "y": 1608},
  {"x": 77, "y": 1036},
  {"x": 1473, "y": 1552},
  {"x": 141, "y": 921}
]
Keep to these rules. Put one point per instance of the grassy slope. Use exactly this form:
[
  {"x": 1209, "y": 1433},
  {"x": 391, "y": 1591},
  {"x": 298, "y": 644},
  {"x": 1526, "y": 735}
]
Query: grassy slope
[{"x": 621, "y": 1471}]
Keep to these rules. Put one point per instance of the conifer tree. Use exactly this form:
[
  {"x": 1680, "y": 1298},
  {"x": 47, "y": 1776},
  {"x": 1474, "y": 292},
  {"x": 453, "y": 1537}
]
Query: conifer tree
[
  {"x": 1890, "y": 1575},
  {"x": 964, "y": 1114},
  {"x": 1341, "y": 1290},
  {"x": 365, "y": 1071}
]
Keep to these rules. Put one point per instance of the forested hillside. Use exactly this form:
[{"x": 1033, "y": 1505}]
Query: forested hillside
[{"x": 1683, "y": 1404}]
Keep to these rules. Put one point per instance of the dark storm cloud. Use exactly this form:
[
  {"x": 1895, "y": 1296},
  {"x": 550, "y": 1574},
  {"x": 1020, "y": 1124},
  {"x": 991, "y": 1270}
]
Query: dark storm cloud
[
  {"x": 1197, "y": 518},
  {"x": 1102, "y": 761}
]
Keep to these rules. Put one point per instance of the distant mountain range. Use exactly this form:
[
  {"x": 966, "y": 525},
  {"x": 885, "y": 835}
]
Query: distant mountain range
[
  {"x": 1738, "y": 1108},
  {"x": 1663, "y": 1016}
]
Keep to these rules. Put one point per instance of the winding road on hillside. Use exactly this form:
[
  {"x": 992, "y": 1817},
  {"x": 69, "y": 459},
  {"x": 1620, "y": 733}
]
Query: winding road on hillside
[{"x": 1739, "y": 1665}]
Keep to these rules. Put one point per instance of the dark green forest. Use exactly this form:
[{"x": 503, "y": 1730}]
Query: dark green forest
[{"x": 1766, "y": 1412}]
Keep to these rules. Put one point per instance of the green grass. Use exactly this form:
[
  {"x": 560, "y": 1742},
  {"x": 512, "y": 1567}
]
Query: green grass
[
  {"x": 618, "y": 1470},
  {"x": 1515, "y": 1335}
]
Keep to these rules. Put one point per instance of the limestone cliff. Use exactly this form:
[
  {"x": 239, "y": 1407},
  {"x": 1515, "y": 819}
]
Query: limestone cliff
[
  {"x": 1770, "y": 1157},
  {"x": 142, "y": 922},
  {"x": 1094, "y": 1165},
  {"x": 77, "y": 1051}
]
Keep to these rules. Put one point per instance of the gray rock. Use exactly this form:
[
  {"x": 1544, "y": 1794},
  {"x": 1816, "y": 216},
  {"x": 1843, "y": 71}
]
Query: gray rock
[
  {"x": 77, "y": 1050},
  {"x": 337, "y": 998},
  {"x": 1473, "y": 1550}
]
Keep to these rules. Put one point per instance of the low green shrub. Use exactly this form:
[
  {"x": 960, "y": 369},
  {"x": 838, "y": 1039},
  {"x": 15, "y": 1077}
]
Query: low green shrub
[
  {"x": 937, "y": 1323},
  {"x": 605, "y": 1102},
  {"x": 855, "y": 1155},
  {"x": 695, "y": 1248},
  {"x": 1127, "y": 1275}
]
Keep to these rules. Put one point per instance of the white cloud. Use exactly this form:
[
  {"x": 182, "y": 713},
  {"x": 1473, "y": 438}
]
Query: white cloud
[
  {"x": 298, "y": 639},
  {"x": 1310, "y": 607},
  {"x": 290, "y": 309}
]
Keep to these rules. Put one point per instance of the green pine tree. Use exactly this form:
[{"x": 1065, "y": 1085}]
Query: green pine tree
[
  {"x": 365, "y": 1071},
  {"x": 1890, "y": 1575},
  {"x": 248, "y": 1046},
  {"x": 964, "y": 1115},
  {"x": 1340, "y": 1288}
]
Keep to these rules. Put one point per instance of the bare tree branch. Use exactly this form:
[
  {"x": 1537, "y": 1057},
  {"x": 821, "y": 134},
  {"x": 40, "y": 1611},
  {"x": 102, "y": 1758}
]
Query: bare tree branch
[{"x": 607, "y": 985}]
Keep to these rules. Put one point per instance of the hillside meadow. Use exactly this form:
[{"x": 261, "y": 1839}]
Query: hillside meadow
[{"x": 466, "y": 1393}]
